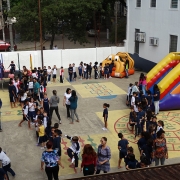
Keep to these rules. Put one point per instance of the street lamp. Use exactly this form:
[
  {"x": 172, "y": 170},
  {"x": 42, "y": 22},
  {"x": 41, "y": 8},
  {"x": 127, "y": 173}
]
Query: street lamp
[{"x": 40, "y": 29}]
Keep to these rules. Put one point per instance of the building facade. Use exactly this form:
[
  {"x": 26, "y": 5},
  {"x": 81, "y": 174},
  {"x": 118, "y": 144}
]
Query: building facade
[{"x": 153, "y": 28}]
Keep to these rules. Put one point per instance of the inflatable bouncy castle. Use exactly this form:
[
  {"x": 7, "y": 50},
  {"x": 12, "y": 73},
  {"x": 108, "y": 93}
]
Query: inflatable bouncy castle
[
  {"x": 120, "y": 61},
  {"x": 166, "y": 74}
]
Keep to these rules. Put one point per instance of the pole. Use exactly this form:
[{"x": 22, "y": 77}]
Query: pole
[
  {"x": 95, "y": 36},
  {"x": 35, "y": 35},
  {"x": 2, "y": 21},
  {"x": 116, "y": 3},
  {"x": 40, "y": 29},
  {"x": 19, "y": 75},
  {"x": 10, "y": 27}
]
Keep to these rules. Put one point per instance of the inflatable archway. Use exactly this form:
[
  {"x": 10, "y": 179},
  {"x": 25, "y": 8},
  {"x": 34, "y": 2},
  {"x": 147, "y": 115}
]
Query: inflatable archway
[{"x": 119, "y": 62}]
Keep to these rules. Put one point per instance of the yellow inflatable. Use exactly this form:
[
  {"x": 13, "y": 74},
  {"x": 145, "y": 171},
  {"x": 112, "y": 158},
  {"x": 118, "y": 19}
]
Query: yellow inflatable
[{"x": 119, "y": 62}]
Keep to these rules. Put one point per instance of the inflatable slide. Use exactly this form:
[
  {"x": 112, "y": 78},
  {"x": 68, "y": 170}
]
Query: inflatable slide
[
  {"x": 167, "y": 75},
  {"x": 119, "y": 62}
]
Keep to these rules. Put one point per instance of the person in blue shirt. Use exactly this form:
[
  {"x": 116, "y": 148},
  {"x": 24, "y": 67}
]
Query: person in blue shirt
[
  {"x": 141, "y": 118},
  {"x": 156, "y": 98},
  {"x": 110, "y": 68},
  {"x": 123, "y": 145},
  {"x": 132, "y": 118},
  {"x": 149, "y": 98},
  {"x": 105, "y": 115},
  {"x": 132, "y": 162}
]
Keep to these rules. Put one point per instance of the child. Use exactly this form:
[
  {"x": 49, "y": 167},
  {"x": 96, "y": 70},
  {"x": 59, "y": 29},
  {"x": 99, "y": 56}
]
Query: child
[
  {"x": 90, "y": 69},
  {"x": 41, "y": 131},
  {"x": 100, "y": 70},
  {"x": 49, "y": 71},
  {"x": 141, "y": 118},
  {"x": 12, "y": 94},
  {"x": 160, "y": 125},
  {"x": 41, "y": 90},
  {"x": 132, "y": 118},
  {"x": 48, "y": 131},
  {"x": 56, "y": 126},
  {"x": 137, "y": 125},
  {"x": 45, "y": 119},
  {"x": 105, "y": 115},
  {"x": 74, "y": 72},
  {"x": 36, "y": 124},
  {"x": 61, "y": 72},
  {"x": 80, "y": 71},
  {"x": 70, "y": 72},
  {"x": 84, "y": 70},
  {"x": 149, "y": 116},
  {"x": 32, "y": 113},
  {"x": 122, "y": 146},
  {"x": 46, "y": 104},
  {"x": 154, "y": 122},
  {"x": 128, "y": 94},
  {"x": 54, "y": 69},
  {"x": 23, "y": 96},
  {"x": 25, "y": 114},
  {"x": 74, "y": 150},
  {"x": 57, "y": 142},
  {"x": 132, "y": 163},
  {"x": 34, "y": 74},
  {"x": 130, "y": 150},
  {"x": 106, "y": 71},
  {"x": 16, "y": 85}
]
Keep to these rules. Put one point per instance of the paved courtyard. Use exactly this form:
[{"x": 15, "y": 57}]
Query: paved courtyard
[{"x": 20, "y": 143}]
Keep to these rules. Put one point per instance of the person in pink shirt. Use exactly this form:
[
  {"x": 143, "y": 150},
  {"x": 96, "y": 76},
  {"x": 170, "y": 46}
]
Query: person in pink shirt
[
  {"x": 143, "y": 83},
  {"x": 11, "y": 76}
]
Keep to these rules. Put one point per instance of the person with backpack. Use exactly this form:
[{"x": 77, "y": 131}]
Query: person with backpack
[{"x": 103, "y": 157}]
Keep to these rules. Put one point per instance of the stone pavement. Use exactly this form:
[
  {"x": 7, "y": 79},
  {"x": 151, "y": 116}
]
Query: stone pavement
[{"x": 20, "y": 143}]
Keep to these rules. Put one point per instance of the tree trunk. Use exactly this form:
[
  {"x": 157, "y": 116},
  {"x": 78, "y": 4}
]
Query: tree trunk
[{"x": 52, "y": 38}]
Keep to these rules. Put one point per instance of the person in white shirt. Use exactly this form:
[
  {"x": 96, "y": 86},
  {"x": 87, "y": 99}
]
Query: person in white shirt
[
  {"x": 66, "y": 102},
  {"x": 55, "y": 47},
  {"x": 74, "y": 72},
  {"x": 49, "y": 72},
  {"x": 32, "y": 113},
  {"x": 133, "y": 99},
  {"x": 30, "y": 85},
  {"x": 54, "y": 70},
  {"x": 135, "y": 88},
  {"x": 84, "y": 69},
  {"x": 23, "y": 96},
  {"x": 34, "y": 74},
  {"x": 128, "y": 94},
  {"x": 6, "y": 163}
]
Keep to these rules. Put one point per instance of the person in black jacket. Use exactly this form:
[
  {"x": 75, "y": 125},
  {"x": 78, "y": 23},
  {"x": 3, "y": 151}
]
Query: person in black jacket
[{"x": 57, "y": 141}]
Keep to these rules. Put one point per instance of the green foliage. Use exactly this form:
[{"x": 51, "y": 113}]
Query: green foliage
[
  {"x": 121, "y": 31},
  {"x": 74, "y": 13}
]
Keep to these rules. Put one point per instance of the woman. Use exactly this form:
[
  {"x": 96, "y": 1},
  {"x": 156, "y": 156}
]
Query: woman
[
  {"x": 156, "y": 98},
  {"x": 51, "y": 161},
  {"x": 6, "y": 163},
  {"x": 73, "y": 106},
  {"x": 66, "y": 101},
  {"x": 103, "y": 156},
  {"x": 143, "y": 83},
  {"x": 89, "y": 159},
  {"x": 160, "y": 152},
  {"x": 12, "y": 67},
  {"x": 49, "y": 72},
  {"x": 54, "y": 100}
]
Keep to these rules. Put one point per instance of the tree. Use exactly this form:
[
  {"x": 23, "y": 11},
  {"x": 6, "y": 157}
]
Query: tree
[{"x": 69, "y": 16}]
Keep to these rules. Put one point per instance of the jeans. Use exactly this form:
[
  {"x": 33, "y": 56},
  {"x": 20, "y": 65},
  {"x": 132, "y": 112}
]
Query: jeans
[
  {"x": 49, "y": 77},
  {"x": 144, "y": 89},
  {"x": 162, "y": 160},
  {"x": 70, "y": 77},
  {"x": 61, "y": 79},
  {"x": 127, "y": 74},
  {"x": 73, "y": 112},
  {"x": 137, "y": 130},
  {"x": 156, "y": 105},
  {"x": 98, "y": 171},
  {"x": 52, "y": 172},
  {"x": 68, "y": 110},
  {"x": 71, "y": 154},
  {"x": 90, "y": 71},
  {"x": 56, "y": 111},
  {"x": 7, "y": 168},
  {"x": 88, "y": 169}
]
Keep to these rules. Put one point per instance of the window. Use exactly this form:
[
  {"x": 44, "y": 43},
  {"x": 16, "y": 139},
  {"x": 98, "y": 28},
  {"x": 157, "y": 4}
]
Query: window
[
  {"x": 138, "y": 3},
  {"x": 153, "y": 3},
  {"x": 173, "y": 43},
  {"x": 174, "y": 3}
]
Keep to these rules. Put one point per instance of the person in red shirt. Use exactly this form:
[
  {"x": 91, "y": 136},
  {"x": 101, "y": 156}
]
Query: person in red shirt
[{"x": 89, "y": 159}]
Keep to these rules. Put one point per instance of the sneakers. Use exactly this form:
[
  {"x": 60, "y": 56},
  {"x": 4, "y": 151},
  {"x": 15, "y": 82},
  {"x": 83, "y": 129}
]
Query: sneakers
[
  {"x": 73, "y": 159},
  {"x": 104, "y": 129},
  {"x": 60, "y": 122}
]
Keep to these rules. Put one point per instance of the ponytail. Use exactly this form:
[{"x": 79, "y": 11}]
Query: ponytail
[{"x": 106, "y": 105}]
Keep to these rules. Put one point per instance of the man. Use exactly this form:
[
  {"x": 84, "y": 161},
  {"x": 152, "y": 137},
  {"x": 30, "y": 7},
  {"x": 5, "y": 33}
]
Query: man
[
  {"x": 36, "y": 88},
  {"x": 12, "y": 94}
]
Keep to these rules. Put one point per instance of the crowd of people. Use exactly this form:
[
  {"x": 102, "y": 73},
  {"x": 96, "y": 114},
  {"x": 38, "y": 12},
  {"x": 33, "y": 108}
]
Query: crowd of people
[{"x": 29, "y": 91}]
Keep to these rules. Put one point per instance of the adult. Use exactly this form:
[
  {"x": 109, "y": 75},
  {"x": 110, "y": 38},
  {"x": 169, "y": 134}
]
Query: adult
[
  {"x": 25, "y": 73},
  {"x": 66, "y": 101},
  {"x": 3, "y": 175},
  {"x": 126, "y": 64},
  {"x": 156, "y": 98},
  {"x": 103, "y": 156},
  {"x": 6, "y": 163},
  {"x": 160, "y": 152},
  {"x": 12, "y": 67},
  {"x": 143, "y": 83},
  {"x": 52, "y": 161},
  {"x": 73, "y": 106},
  {"x": 89, "y": 160},
  {"x": 36, "y": 88},
  {"x": 135, "y": 88},
  {"x": 54, "y": 101},
  {"x": 49, "y": 72}
]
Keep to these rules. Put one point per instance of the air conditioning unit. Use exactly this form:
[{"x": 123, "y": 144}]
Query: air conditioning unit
[
  {"x": 154, "y": 41},
  {"x": 141, "y": 37}
]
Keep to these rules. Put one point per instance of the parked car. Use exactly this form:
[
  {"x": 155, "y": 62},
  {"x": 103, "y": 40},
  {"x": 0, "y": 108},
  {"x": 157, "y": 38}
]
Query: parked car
[
  {"x": 4, "y": 46},
  {"x": 92, "y": 33}
]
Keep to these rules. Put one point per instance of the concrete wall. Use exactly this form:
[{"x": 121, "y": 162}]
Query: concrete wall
[
  {"x": 60, "y": 57},
  {"x": 159, "y": 22}
]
